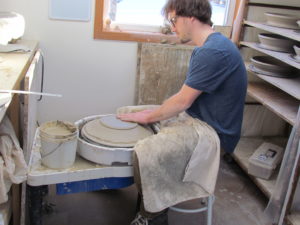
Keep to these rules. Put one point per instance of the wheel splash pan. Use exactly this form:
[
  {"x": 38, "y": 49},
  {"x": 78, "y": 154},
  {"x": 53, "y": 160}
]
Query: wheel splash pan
[{"x": 102, "y": 154}]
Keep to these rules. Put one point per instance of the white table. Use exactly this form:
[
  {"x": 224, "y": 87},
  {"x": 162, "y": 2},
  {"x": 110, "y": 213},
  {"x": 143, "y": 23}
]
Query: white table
[{"x": 81, "y": 171}]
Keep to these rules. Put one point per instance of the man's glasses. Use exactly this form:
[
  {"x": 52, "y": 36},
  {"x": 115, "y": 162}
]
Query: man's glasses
[{"x": 173, "y": 21}]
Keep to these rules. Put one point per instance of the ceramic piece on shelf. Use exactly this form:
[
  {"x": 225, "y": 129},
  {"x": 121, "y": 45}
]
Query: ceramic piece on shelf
[
  {"x": 275, "y": 42},
  {"x": 298, "y": 22},
  {"x": 294, "y": 58},
  {"x": 267, "y": 65},
  {"x": 267, "y": 73},
  {"x": 297, "y": 51},
  {"x": 12, "y": 27},
  {"x": 110, "y": 131},
  {"x": 282, "y": 20}
]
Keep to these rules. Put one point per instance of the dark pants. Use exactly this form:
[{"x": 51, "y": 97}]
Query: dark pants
[{"x": 137, "y": 180}]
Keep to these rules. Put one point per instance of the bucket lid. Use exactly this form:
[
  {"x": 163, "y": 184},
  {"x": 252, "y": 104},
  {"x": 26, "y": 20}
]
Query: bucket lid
[
  {"x": 110, "y": 131},
  {"x": 58, "y": 129}
]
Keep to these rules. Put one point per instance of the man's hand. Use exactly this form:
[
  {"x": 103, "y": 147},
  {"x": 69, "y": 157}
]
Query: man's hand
[
  {"x": 138, "y": 117},
  {"x": 171, "y": 107}
]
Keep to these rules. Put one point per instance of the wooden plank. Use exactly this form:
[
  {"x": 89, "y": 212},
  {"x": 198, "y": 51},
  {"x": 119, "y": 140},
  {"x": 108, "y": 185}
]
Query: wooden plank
[
  {"x": 294, "y": 218},
  {"x": 245, "y": 148},
  {"x": 15, "y": 65},
  {"x": 162, "y": 71},
  {"x": 282, "y": 56},
  {"x": 16, "y": 203},
  {"x": 290, "y": 33},
  {"x": 29, "y": 119},
  {"x": 288, "y": 85},
  {"x": 274, "y": 99}
]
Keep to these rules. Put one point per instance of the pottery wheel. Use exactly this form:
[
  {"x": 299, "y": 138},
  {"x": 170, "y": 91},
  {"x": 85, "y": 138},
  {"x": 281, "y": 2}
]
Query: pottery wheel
[{"x": 110, "y": 131}]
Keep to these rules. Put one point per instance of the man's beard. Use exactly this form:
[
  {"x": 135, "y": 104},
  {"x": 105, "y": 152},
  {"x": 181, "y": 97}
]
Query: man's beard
[
  {"x": 186, "y": 37},
  {"x": 186, "y": 40}
]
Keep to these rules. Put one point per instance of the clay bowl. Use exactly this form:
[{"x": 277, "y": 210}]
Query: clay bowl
[
  {"x": 272, "y": 66},
  {"x": 276, "y": 42},
  {"x": 282, "y": 20}
]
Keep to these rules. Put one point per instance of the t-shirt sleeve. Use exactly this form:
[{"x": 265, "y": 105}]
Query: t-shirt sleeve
[{"x": 208, "y": 69}]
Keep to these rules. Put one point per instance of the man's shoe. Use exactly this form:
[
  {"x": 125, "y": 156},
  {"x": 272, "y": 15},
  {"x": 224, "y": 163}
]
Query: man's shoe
[
  {"x": 161, "y": 219},
  {"x": 228, "y": 158},
  {"x": 140, "y": 220}
]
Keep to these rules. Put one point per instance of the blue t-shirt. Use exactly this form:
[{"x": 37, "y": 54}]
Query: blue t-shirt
[{"x": 217, "y": 69}]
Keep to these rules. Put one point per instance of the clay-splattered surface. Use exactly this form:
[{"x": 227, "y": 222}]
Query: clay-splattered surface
[
  {"x": 161, "y": 71},
  {"x": 238, "y": 202}
]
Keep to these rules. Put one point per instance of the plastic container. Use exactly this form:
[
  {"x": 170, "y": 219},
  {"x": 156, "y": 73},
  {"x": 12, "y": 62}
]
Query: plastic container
[
  {"x": 264, "y": 160},
  {"x": 58, "y": 144}
]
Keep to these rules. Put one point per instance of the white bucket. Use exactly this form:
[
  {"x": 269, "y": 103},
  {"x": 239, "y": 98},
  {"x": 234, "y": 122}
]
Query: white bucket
[{"x": 58, "y": 144}]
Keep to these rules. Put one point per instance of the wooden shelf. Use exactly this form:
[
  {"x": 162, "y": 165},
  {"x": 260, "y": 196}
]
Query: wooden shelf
[
  {"x": 282, "y": 56},
  {"x": 274, "y": 99},
  {"x": 269, "y": 3},
  {"x": 290, "y": 33},
  {"x": 288, "y": 85},
  {"x": 294, "y": 218},
  {"x": 245, "y": 148}
]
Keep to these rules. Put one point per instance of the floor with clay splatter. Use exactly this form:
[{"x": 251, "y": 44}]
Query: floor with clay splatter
[{"x": 238, "y": 201}]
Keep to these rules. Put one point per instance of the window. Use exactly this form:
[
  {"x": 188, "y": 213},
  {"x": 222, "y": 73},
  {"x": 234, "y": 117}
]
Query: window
[{"x": 141, "y": 20}]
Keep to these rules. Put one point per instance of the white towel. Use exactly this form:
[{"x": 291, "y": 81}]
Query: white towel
[
  {"x": 179, "y": 163},
  {"x": 13, "y": 168}
]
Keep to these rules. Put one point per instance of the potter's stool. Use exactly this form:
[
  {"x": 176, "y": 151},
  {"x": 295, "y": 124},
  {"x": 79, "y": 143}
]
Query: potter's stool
[{"x": 208, "y": 208}]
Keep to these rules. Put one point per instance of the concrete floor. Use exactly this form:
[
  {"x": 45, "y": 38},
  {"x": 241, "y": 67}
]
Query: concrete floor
[{"x": 238, "y": 202}]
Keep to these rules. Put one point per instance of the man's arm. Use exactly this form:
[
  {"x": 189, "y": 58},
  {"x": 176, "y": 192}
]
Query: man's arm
[{"x": 171, "y": 107}]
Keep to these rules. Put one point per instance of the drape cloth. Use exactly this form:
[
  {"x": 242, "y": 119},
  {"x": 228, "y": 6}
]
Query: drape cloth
[
  {"x": 179, "y": 163},
  {"x": 13, "y": 168}
]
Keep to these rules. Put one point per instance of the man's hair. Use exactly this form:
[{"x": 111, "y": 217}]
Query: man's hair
[{"x": 200, "y": 9}]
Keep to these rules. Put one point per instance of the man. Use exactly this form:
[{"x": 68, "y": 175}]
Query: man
[{"x": 215, "y": 88}]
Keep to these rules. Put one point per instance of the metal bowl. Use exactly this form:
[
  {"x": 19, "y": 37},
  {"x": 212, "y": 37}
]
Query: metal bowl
[
  {"x": 282, "y": 20},
  {"x": 276, "y": 42}
]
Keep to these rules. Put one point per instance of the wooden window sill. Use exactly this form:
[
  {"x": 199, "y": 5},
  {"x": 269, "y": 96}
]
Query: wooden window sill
[
  {"x": 102, "y": 32},
  {"x": 137, "y": 36}
]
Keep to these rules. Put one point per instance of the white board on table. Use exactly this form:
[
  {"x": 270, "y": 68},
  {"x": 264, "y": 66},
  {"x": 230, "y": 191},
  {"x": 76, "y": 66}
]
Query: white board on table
[{"x": 79, "y": 10}]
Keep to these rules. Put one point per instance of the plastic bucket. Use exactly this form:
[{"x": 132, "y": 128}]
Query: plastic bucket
[{"x": 58, "y": 144}]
